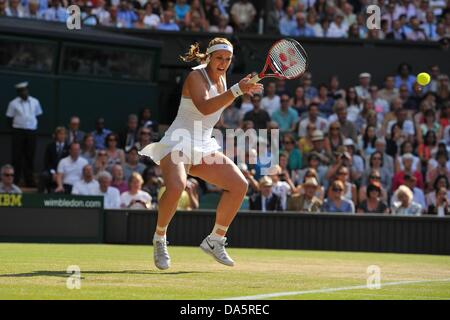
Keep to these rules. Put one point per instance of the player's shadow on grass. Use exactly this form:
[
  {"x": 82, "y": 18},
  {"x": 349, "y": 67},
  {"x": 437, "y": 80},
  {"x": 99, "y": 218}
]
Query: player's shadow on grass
[{"x": 63, "y": 274}]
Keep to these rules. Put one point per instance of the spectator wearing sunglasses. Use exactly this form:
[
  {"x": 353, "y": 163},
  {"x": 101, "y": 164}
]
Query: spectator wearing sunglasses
[
  {"x": 373, "y": 178},
  {"x": 7, "y": 182},
  {"x": 336, "y": 201},
  {"x": 115, "y": 154},
  {"x": 376, "y": 163},
  {"x": 295, "y": 161}
]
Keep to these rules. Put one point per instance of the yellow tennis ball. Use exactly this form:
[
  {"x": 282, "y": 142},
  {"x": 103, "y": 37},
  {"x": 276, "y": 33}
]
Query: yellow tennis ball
[{"x": 423, "y": 78}]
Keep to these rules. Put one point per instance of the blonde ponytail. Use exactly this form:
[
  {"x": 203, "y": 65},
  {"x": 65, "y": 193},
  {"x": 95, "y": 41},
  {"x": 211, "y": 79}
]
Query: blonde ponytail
[{"x": 194, "y": 54}]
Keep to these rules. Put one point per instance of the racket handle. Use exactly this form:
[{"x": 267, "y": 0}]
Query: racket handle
[{"x": 255, "y": 79}]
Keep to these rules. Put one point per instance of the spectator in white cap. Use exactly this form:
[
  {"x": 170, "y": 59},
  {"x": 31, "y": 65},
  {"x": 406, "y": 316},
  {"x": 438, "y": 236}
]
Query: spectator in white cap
[
  {"x": 22, "y": 116},
  {"x": 362, "y": 90},
  {"x": 318, "y": 147},
  {"x": 306, "y": 201}
]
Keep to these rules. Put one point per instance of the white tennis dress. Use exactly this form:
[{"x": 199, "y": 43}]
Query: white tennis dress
[{"x": 190, "y": 132}]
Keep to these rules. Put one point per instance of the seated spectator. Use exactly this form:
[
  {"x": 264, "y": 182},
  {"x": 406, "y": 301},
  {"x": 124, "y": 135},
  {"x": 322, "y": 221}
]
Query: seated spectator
[
  {"x": 348, "y": 129},
  {"x": 306, "y": 201},
  {"x": 243, "y": 14},
  {"x": 266, "y": 200},
  {"x": 87, "y": 186},
  {"x": 310, "y": 91},
  {"x": 441, "y": 181},
  {"x": 146, "y": 121},
  {"x": 295, "y": 160},
  {"x": 33, "y": 11},
  {"x": 139, "y": 23},
  {"x": 301, "y": 29},
  {"x": 7, "y": 181},
  {"x": 167, "y": 23},
  {"x": 152, "y": 183},
  {"x": 55, "y": 12},
  {"x": 274, "y": 17},
  {"x": 305, "y": 144},
  {"x": 258, "y": 116},
  {"x": 144, "y": 138},
  {"x": 132, "y": 164},
  {"x": 426, "y": 147},
  {"x": 115, "y": 154},
  {"x": 341, "y": 172},
  {"x": 126, "y": 17},
  {"x": 54, "y": 152},
  {"x": 373, "y": 178},
  {"x": 135, "y": 198},
  {"x": 88, "y": 149},
  {"x": 189, "y": 199},
  {"x": 373, "y": 202},
  {"x": 404, "y": 76},
  {"x": 70, "y": 169},
  {"x": 335, "y": 201},
  {"x": 100, "y": 133},
  {"x": 103, "y": 16},
  {"x": 151, "y": 20},
  {"x": 441, "y": 207},
  {"x": 338, "y": 28},
  {"x": 318, "y": 147},
  {"x": 432, "y": 124},
  {"x": 357, "y": 165},
  {"x": 442, "y": 168},
  {"x": 118, "y": 179},
  {"x": 311, "y": 22},
  {"x": 231, "y": 117},
  {"x": 388, "y": 161},
  {"x": 314, "y": 118},
  {"x": 288, "y": 22},
  {"x": 407, "y": 147},
  {"x": 418, "y": 195},
  {"x": 367, "y": 141},
  {"x": 101, "y": 161},
  {"x": 399, "y": 178},
  {"x": 74, "y": 134},
  {"x": 335, "y": 138},
  {"x": 324, "y": 101},
  {"x": 181, "y": 10},
  {"x": 389, "y": 92},
  {"x": 222, "y": 26},
  {"x": 416, "y": 33},
  {"x": 282, "y": 185},
  {"x": 271, "y": 101},
  {"x": 405, "y": 204},
  {"x": 376, "y": 163},
  {"x": 15, "y": 9},
  {"x": 111, "y": 196},
  {"x": 285, "y": 116}
]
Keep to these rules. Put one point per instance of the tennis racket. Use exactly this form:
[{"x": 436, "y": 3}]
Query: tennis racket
[{"x": 287, "y": 60}]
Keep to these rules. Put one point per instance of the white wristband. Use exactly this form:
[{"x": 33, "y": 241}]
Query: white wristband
[{"x": 236, "y": 90}]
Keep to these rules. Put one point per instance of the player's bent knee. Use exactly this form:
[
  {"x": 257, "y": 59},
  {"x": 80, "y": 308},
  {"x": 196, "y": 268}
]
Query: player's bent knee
[
  {"x": 241, "y": 187},
  {"x": 176, "y": 188}
]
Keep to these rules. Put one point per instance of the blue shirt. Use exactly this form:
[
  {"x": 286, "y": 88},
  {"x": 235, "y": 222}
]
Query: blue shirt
[
  {"x": 53, "y": 14},
  {"x": 287, "y": 25},
  {"x": 99, "y": 138},
  {"x": 285, "y": 120},
  {"x": 409, "y": 82},
  {"x": 168, "y": 27},
  {"x": 346, "y": 206},
  {"x": 303, "y": 32},
  {"x": 181, "y": 11},
  {"x": 127, "y": 17}
]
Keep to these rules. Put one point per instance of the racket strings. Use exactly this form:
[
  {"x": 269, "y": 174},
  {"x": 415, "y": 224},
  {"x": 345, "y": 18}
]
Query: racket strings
[{"x": 293, "y": 56}]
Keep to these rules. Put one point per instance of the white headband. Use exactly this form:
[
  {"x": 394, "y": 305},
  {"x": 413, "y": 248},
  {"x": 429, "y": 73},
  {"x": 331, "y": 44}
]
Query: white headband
[{"x": 220, "y": 46}]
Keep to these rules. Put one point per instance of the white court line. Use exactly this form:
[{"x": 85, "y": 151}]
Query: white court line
[{"x": 326, "y": 290}]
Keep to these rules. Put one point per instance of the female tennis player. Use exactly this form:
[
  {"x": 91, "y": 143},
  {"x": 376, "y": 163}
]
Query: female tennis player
[{"x": 204, "y": 97}]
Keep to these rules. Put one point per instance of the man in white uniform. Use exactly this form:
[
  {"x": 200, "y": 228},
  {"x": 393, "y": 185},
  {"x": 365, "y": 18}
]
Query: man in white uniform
[{"x": 22, "y": 115}]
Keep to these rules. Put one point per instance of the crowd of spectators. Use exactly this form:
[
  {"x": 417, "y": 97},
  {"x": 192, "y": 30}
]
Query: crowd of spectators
[
  {"x": 400, "y": 20},
  {"x": 361, "y": 149}
]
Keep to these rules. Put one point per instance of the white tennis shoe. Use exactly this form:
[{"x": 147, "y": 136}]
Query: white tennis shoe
[
  {"x": 216, "y": 249},
  {"x": 160, "y": 254}
]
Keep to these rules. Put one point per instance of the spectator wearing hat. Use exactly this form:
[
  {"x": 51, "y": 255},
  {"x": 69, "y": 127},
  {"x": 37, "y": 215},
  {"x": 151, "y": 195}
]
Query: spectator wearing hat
[
  {"x": 313, "y": 118},
  {"x": 306, "y": 201},
  {"x": 319, "y": 147},
  {"x": 111, "y": 196},
  {"x": 132, "y": 164},
  {"x": 399, "y": 178},
  {"x": 265, "y": 200},
  {"x": 335, "y": 201},
  {"x": 405, "y": 204},
  {"x": 22, "y": 115},
  {"x": 87, "y": 185},
  {"x": 7, "y": 180},
  {"x": 362, "y": 90},
  {"x": 373, "y": 202},
  {"x": 54, "y": 152}
]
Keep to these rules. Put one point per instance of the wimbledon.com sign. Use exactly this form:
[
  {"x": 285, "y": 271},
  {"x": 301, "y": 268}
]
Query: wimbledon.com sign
[{"x": 50, "y": 201}]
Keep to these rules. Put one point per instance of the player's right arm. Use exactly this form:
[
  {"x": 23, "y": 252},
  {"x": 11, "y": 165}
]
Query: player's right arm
[{"x": 197, "y": 90}]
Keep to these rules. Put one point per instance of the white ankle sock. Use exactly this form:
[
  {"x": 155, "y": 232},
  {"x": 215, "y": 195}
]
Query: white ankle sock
[
  {"x": 157, "y": 237},
  {"x": 214, "y": 235}
]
